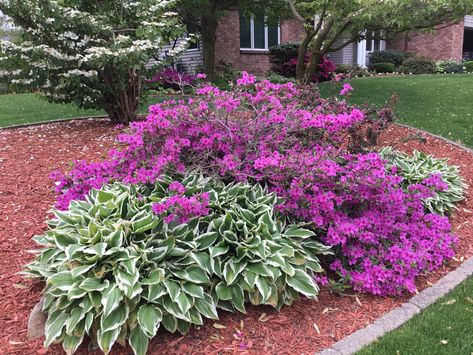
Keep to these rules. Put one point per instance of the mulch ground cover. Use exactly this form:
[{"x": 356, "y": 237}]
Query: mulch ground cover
[{"x": 28, "y": 155}]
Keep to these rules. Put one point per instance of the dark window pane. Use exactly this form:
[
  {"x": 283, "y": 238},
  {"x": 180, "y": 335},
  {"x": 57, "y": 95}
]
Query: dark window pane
[
  {"x": 273, "y": 36},
  {"x": 369, "y": 45},
  {"x": 245, "y": 34},
  {"x": 192, "y": 30},
  {"x": 259, "y": 32},
  {"x": 377, "y": 44}
]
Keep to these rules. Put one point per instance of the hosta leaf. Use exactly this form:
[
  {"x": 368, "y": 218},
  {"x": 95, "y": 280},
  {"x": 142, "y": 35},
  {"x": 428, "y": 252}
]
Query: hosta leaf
[
  {"x": 298, "y": 232},
  {"x": 183, "y": 326},
  {"x": 54, "y": 325},
  {"x": 207, "y": 307},
  {"x": 62, "y": 280},
  {"x": 193, "y": 289},
  {"x": 138, "y": 341},
  {"x": 94, "y": 284},
  {"x": 149, "y": 318},
  {"x": 71, "y": 343},
  {"x": 155, "y": 292},
  {"x": 258, "y": 269},
  {"x": 303, "y": 283},
  {"x": 63, "y": 241},
  {"x": 79, "y": 270},
  {"x": 263, "y": 287},
  {"x": 223, "y": 291},
  {"x": 154, "y": 277},
  {"x": 173, "y": 289},
  {"x": 76, "y": 315},
  {"x": 203, "y": 259},
  {"x": 238, "y": 298},
  {"x": 206, "y": 240},
  {"x": 115, "y": 319},
  {"x": 220, "y": 249},
  {"x": 107, "y": 339},
  {"x": 144, "y": 224},
  {"x": 197, "y": 275},
  {"x": 170, "y": 323},
  {"x": 183, "y": 302},
  {"x": 111, "y": 300}
]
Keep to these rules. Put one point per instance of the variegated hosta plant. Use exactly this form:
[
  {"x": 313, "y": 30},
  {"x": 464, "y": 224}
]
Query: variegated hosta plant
[
  {"x": 445, "y": 180},
  {"x": 129, "y": 259}
]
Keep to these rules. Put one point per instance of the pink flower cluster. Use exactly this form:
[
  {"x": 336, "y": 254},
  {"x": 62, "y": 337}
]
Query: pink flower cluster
[
  {"x": 273, "y": 134},
  {"x": 180, "y": 207}
]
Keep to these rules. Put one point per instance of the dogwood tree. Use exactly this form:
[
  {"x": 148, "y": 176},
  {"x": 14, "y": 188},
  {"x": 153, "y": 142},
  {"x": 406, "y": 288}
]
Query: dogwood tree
[
  {"x": 330, "y": 25},
  {"x": 87, "y": 52}
]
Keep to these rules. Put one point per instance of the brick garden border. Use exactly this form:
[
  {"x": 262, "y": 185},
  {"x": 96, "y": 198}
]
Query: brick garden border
[{"x": 400, "y": 315}]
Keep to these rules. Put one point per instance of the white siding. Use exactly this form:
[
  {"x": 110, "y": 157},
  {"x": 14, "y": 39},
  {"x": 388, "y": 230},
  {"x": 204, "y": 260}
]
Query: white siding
[
  {"x": 346, "y": 55},
  {"x": 191, "y": 60},
  {"x": 469, "y": 21}
]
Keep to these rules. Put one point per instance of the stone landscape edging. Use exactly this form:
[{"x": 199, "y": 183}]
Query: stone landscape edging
[{"x": 400, "y": 315}]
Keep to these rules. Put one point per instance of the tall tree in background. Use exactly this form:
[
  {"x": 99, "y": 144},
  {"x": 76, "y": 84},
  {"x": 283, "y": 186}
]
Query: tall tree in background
[
  {"x": 91, "y": 53},
  {"x": 204, "y": 15},
  {"x": 330, "y": 25}
]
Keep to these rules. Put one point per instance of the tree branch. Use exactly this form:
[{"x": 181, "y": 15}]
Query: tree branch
[{"x": 295, "y": 13}]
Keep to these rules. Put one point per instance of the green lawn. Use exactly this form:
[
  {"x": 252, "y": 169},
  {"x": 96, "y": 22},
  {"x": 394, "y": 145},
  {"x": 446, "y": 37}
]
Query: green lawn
[
  {"x": 441, "y": 104},
  {"x": 444, "y": 328},
  {"x": 30, "y": 108}
]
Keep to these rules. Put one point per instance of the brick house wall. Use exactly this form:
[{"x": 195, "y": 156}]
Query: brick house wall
[
  {"x": 227, "y": 47},
  {"x": 445, "y": 43}
]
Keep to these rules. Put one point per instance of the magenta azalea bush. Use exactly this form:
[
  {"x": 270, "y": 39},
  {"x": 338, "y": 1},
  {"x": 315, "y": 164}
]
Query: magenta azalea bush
[{"x": 298, "y": 145}]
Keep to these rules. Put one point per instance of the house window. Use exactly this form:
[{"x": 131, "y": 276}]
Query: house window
[
  {"x": 373, "y": 43},
  {"x": 256, "y": 35},
  {"x": 194, "y": 44}
]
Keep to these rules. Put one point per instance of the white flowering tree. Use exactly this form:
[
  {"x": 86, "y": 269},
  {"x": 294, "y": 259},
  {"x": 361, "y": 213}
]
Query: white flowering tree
[{"x": 91, "y": 53}]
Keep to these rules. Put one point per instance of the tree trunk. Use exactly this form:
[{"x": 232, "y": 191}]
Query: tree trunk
[
  {"x": 301, "y": 66},
  {"x": 313, "y": 66},
  {"x": 209, "y": 37},
  {"x": 121, "y": 106}
]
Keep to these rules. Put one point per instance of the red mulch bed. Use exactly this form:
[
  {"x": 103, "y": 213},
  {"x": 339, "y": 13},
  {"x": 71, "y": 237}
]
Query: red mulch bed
[{"x": 28, "y": 155}]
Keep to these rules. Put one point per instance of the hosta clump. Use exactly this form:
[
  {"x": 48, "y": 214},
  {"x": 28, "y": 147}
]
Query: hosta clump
[
  {"x": 419, "y": 169},
  {"x": 131, "y": 258}
]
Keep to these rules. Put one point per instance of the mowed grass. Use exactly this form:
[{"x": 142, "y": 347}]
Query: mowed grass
[
  {"x": 444, "y": 329},
  {"x": 20, "y": 109},
  {"x": 441, "y": 104}
]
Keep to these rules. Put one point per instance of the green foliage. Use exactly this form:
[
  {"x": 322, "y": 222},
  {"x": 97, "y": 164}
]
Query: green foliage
[
  {"x": 341, "y": 22},
  {"x": 449, "y": 67},
  {"x": 418, "y": 65},
  {"x": 383, "y": 67},
  {"x": 416, "y": 168},
  {"x": 352, "y": 70},
  {"x": 394, "y": 57},
  {"x": 92, "y": 54},
  {"x": 468, "y": 66},
  {"x": 115, "y": 271},
  {"x": 281, "y": 54},
  {"x": 278, "y": 79}
]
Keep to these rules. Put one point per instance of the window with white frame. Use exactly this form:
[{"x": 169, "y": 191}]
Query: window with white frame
[{"x": 256, "y": 35}]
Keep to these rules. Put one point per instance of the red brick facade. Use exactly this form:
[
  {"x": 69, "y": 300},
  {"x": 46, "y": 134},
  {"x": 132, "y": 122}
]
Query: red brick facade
[
  {"x": 445, "y": 43},
  {"x": 227, "y": 47}
]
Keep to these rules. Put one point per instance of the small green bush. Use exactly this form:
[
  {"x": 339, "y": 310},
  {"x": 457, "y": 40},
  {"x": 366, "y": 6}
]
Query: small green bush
[
  {"x": 416, "y": 168},
  {"x": 116, "y": 271},
  {"x": 383, "y": 67},
  {"x": 449, "y": 66},
  {"x": 352, "y": 70},
  {"x": 387, "y": 56},
  {"x": 283, "y": 53},
  {"x": 468, "y": 66},
  {"x": 278, "y": 79},
  {"x": 418, "y": 65}
]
